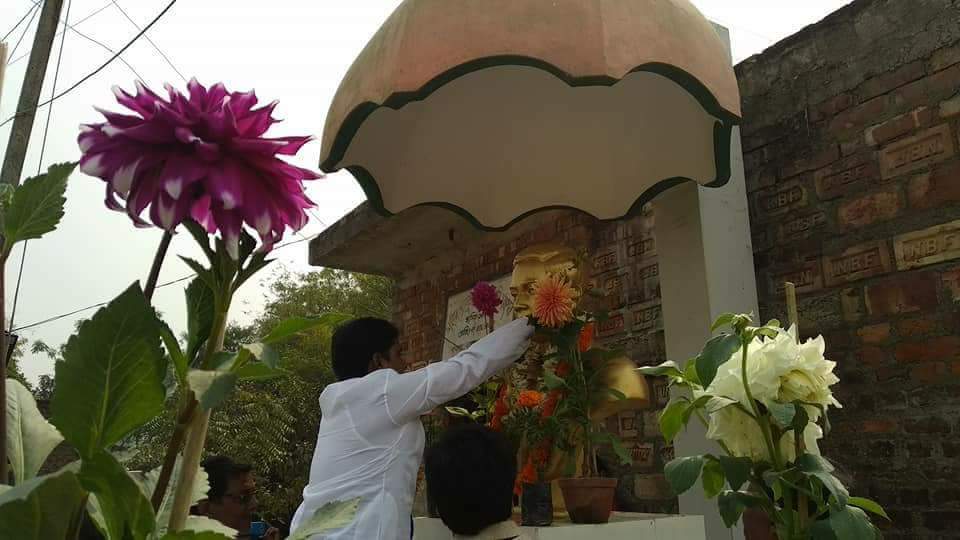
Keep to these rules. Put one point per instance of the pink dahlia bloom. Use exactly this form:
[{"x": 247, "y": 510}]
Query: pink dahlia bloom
[
  {"x": 201, "y": 157},
  {"x": 486, "y": 299}
]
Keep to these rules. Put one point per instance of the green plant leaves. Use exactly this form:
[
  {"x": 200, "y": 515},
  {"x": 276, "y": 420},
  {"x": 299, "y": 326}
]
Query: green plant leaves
[
  {"x": 294, "y": 326},
  {"x": 732, "y": 504},
  {"x": 30, "y": 438},
  {"x": 211, "y": 387},
  {"x": 714, "y": 354},
  {"x": 200, "y": 301},
  {"x": 194, "y": 535},
  {"x": 179, "y": 360},
  {"x": 111, "y": 378},
  {"x": 125, "y": 510},
  {"x": 736, "y": 470},
  {"x": 671, "y": 419},
  {"x": 868, "y": 505},
  {"x": 264, "y": 353},
  {"x": 851, "y": 523},
  {"x": 782, "y": 413},
  {"x": 713, "y": 478},
  {"x": 668, "y": 368},
  {"x": 328, "y": 517},
  {"x": 682, "y": 473},
  {"x": 42, "y": 508},
  {"x": 37, "y": 206}
]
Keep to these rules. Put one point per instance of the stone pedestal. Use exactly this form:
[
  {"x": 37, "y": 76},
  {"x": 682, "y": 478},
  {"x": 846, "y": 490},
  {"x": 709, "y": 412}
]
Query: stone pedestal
[{"x": 622, "y": 526}]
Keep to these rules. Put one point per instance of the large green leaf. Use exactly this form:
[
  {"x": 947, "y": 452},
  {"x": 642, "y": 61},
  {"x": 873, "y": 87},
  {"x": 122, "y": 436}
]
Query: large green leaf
[
  {"x": 868, "y": 505},
  {"x": 179, "y": 360},
  {"x": 668, "y": 368},
  {"x": 194, "y": 535},
  {"x": 199, "y": 316},
  {"x": 713, "y": 478},
  {"x": 211, "y": 387},
  {"x": 671, "y": 419},
  {"x": 330, "y": 516},
  {"x": 851, "y": 523},
  {"x": 37, "y": 205},
  {"x": 782, "y": 413},
  {"x": 42, "y": 508},
  {"x": 682, "y": 473},
  {"x": 30, "y": 438},
  {"x": 111, "y": 378},
  {"x": 125, "y": 509},
  {"x": 714, "y": 354},
  {"x": 736, "y": 469},
  {"x": 264, "y": 353},
  {"x": 294, "y": 326}
]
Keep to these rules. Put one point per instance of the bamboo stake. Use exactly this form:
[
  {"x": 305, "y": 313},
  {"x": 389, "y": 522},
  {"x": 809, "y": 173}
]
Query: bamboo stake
[{"x": 793, "y": 317}]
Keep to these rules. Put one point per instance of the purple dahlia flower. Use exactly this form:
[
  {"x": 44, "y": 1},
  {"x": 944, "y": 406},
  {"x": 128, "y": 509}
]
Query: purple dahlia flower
[{"x": 201, "y": 157}]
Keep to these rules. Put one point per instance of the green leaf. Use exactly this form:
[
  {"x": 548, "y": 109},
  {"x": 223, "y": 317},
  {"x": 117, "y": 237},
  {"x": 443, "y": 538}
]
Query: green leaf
[
  {"x": 714, "y": 354},
  {"x": 296, "y": 325},
  {"x": 264, "y": 353},
  {"x": 111, "y": 378},
  {"x": 200, "y": 301},
  {"x": 203, "y": 524},
  {"x": 211, "y": 387},
  {"x": 616, "y": 393},
  {"x": 330, "y": 516},
  {"x": 259, "y": 372},
  {"x": 37, "y": 206},
  {"x": 621, "y": 451},
  {"x": 551, "y": 381},
  {"x": 671, "y": 419},
  {"x": 204, "y": 275},
  {"x": 42, "y": 508},
  {"x": 459, "y": 411},
  {"x": 125, "y": 509},
  {"x": 731, "y": 507},
  {"x": 180, "y": 363},
  {"x": 30, "y": 438},
  {"x": 725, "y": 319},
  {"x": 194, "y": 535},
  {"x": 811, "y": 463},
  {"x": 201, "y": 236},
  {"x": 868, "y": 505},
  {"x": 782, "y": 413},
  {"x": 834, "y": 486},
  {"x": 736, "y": 469},
  {"x": 682, "y": 473},
  {"x": 668, "y": 368},
  {"x": 258, "y": 262},
  {"x": 690, "y": 374},
  {"x": 851, "y": 523},
  {"x": 713, "y": 478}
]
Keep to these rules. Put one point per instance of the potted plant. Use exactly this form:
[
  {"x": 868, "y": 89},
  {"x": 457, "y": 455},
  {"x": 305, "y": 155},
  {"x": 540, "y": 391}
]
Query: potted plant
[
  {"x": 764, "y": 397},
  {"x": 575, "y": 376}
]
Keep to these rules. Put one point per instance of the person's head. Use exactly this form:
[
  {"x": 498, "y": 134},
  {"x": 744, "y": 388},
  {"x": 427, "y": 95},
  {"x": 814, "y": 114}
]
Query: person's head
[
  {"x": 470, "y": 473},
  {"x": 365, "y": 345},
  {"x": 231, "y": 499}
]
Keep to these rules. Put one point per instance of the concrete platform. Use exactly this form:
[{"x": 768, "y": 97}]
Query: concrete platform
[{"x": 622, "y": 526}]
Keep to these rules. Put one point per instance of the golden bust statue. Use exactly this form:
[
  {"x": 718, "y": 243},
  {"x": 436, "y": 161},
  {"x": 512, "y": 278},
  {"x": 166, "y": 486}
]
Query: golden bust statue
[{"x": 529, "y": 266}]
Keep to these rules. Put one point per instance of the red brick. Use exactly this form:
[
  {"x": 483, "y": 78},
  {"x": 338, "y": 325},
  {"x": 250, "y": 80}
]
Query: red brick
[
  {"x": 903, "y": 294},
  {"x": 944, "y": 58},
  {"x": 851, "y": 302},
  {"x": 878, "y": 426},
  {"x": 937, "y": 188},
  {"x": 899, "y": 126},
  {"x": 869, "y": 209},
  {"x": 849, "y": 175},
  {"x": 929, "y": 89},
  {"x": 928, "y": 425},
  {"x": 830, "y": 107},
  {"x": 858, "y": 117},
  {"x": 875, "y": 334},
  {"x": 885, "y": 82},
  {"x": 872, "y": 356},
  {"x": 951, "y": 282},
  {"x": 817, "y": 160},
  {"x": 920, "y": 326},
  {"x": 928, "y": 373},
  {"x": 929, "y": 350}
]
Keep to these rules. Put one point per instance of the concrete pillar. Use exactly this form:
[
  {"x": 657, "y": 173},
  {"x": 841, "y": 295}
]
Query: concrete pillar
[{"x": 706, "y": 268}]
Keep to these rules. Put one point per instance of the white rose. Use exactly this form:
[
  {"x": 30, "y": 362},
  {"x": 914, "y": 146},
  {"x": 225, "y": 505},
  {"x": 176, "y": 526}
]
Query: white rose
[{"x": 743, "y": 437}]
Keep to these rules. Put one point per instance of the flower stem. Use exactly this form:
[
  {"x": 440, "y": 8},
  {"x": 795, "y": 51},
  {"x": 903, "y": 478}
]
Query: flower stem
[
  {"x": 197, "y": 435},
  {"x": 764, "y": 425},
  {"x": 3, "y": 381},
  {"x": 187, "y": 408},
  {"x": 157, "y": 265}
]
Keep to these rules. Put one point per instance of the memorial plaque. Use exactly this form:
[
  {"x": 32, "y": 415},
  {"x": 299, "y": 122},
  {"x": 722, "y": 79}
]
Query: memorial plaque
[
  {"x": 914, "y": 153},
  {"x": 858, "y": 262},
  {"x": 929, "y": 246},
  {"x": 464, "y": 325}
]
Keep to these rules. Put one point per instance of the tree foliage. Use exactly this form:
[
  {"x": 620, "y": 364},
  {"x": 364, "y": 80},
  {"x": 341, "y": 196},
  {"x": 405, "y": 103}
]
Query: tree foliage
[{"x": 273, "y": 424}]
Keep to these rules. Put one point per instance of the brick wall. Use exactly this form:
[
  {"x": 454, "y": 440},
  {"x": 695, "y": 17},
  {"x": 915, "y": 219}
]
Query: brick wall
[
  {"x": 852, "y": 157},
  {"x": 850, "y": 141}
]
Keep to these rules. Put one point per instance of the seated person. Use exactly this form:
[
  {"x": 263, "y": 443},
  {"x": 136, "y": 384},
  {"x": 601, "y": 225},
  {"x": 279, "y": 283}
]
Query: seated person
[
  {"x": 231, "y": 499},
  {"x": 470, "y": 473}
]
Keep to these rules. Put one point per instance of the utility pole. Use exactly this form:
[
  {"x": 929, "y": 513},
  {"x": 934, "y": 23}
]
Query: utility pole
[{"x": 30, "y": 94}]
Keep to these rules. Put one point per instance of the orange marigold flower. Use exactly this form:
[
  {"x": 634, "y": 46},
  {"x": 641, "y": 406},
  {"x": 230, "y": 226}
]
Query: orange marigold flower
[
  {"x": 562, "y": 369},
  {"x": 529, "y": 399},
  {"x": 586, "y": 338},
  {"x": 553, "y": 302}
]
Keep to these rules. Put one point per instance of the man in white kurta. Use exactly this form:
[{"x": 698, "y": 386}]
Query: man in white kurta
[{"x": 371, "y": 440}]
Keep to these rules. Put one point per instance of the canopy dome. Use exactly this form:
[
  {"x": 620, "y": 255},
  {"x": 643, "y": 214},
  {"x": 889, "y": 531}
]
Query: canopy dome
[{"x": 498, "y": 108}]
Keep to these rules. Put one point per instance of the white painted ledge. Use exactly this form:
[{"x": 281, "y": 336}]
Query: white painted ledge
[{"x": 622, "y": 526}]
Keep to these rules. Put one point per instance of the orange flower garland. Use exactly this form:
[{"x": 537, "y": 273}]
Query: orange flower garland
[
  {"x": 585, "y": 340},
  {"x": 553, "y": 302}
]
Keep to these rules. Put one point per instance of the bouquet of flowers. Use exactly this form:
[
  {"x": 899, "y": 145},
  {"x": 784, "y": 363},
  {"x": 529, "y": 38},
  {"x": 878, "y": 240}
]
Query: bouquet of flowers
[{"x": 764, "y": 397}]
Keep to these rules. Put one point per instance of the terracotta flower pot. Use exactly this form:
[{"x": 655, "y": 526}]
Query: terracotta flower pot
[{"x": 588, "y": 500}]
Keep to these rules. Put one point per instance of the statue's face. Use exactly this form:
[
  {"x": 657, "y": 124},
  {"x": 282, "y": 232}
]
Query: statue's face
[{"x": 534, "y": 263}]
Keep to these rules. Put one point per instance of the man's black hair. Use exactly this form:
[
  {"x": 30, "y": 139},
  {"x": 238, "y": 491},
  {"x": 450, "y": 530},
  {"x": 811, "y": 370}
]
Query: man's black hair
[
  {"x": 220, "y": 469},
  {"x": 354, "y": 344},
  {"x": 470, "y": 473}
]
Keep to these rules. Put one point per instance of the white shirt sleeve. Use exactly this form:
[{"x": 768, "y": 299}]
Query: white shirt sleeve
[{"x": 413, "y": 394}]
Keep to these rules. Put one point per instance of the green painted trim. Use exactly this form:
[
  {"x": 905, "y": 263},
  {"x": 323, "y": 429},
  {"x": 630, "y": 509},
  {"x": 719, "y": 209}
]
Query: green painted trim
[{"x": 723, "y": 129}]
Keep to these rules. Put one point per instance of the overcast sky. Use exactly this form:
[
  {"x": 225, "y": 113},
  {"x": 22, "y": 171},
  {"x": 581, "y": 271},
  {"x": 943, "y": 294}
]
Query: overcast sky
[{"x": 294, "y": 51}]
